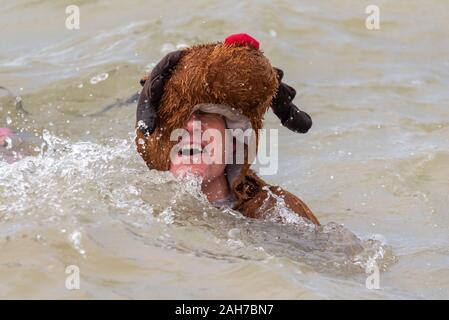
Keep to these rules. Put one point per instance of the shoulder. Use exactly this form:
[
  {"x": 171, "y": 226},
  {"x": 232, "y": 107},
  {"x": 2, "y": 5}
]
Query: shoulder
[{"x": 259, "y": 199}]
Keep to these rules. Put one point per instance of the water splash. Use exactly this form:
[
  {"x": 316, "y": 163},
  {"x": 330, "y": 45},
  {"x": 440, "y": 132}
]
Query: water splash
[{"x": 78, "y": 185}]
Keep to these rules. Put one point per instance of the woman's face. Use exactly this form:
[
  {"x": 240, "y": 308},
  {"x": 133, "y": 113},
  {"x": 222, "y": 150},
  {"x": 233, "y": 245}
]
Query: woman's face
[{"x": 202, "y": 151}]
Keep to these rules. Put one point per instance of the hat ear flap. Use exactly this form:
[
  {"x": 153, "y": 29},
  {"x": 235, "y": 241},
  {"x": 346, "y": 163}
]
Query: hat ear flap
[
  {"x": 291, "y": 117},
  {"x": 153, "y": 89}
]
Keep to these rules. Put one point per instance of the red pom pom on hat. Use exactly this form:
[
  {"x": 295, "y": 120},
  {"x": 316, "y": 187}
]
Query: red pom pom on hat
[{"x": 242, "y": 39}]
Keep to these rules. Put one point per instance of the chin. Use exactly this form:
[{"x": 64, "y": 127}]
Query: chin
[{"x": 199, "y": 170}]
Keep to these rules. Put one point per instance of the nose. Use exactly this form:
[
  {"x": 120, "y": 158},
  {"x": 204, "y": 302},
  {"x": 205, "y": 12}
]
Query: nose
[{"x": 191, "y": 123}]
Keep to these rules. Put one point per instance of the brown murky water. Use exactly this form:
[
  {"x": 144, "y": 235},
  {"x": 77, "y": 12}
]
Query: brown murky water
[{"x": 375, "y": 161}]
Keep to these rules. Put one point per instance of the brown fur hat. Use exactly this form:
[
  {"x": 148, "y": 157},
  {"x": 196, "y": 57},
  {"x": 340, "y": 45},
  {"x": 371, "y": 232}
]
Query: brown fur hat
[
  {"x": 230, "y": 74},
  {"x": 234, "y": 74}
]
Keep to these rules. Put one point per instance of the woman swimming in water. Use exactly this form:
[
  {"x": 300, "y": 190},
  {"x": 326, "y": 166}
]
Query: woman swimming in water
[{"x": 226, "y": 85}]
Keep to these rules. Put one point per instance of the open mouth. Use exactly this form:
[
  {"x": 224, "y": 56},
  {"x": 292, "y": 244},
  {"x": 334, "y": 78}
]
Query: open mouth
[{"x": 190, "y": 150}]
